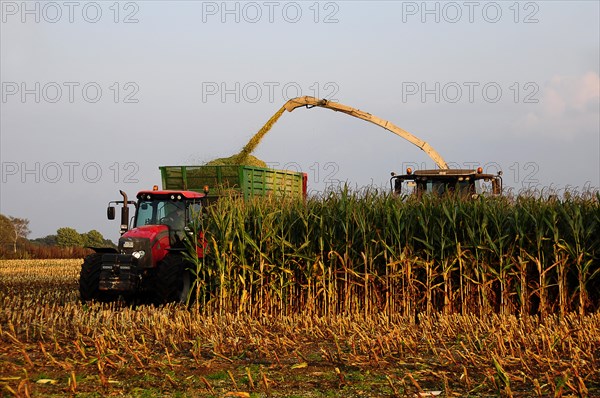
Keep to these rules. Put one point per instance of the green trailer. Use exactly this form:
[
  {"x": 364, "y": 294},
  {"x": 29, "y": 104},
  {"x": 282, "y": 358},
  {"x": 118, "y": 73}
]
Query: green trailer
[{"x": 242, "y": 180}]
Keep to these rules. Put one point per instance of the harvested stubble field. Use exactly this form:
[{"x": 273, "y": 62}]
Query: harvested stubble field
[{"x": 53, "y": 345}]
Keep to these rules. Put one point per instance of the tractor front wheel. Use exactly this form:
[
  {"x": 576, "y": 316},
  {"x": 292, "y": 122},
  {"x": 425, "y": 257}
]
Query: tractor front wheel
[
  {"x": 173, "y": 280},
  {"x": 89, "y": 278}
]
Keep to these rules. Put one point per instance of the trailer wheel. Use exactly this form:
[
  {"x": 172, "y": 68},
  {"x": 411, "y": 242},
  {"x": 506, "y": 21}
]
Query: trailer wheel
[
  {"x": 173, "y": 280},
  {"x": 89, "y": 278}
]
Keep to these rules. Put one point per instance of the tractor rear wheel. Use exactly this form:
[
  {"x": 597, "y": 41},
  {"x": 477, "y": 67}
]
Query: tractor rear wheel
[
  {"x": 89, "y": 278},
  {"x": 173, "y": 280}
]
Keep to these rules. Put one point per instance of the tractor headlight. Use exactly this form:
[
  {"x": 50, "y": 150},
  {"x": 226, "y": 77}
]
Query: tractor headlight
[{"x": 138, "y": 254}]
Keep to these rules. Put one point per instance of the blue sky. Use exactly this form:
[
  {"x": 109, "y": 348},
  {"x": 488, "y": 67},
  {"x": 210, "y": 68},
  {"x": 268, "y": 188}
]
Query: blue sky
[{"x": 95, "y": 102}]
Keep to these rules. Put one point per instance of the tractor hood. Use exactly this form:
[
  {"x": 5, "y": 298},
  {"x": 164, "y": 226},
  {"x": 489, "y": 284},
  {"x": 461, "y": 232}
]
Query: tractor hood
[{"x": 148, "y": 243}]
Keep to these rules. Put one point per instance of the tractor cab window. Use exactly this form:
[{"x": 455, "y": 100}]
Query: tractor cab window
[
  {"x": 404, "y": 186},
  {"x": 153, "y": 212},
  {"x": 439, "y": 188},
  {"x": 463, "y": 187},
  {"x": 146, "y": 213},
  {"x": 194, "y": 210},
  {"x": 487, "y": 187},
  {"x": 174, "y": 215},
  {"x": 436, "y": 187}
]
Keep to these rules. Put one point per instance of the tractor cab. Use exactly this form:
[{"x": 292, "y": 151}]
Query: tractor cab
[
  {"x": 175, "y": 209},
  {"x": 439, "y": 182}
]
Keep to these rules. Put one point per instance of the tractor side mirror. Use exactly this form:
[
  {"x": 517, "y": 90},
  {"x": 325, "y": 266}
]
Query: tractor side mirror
[{"x": 110, "y": 213}]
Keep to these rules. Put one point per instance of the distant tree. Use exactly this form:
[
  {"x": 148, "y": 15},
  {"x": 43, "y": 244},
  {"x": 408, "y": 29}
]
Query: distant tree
[
  {"x": 20, "y": 230},
  {"x": 93, "y": 238},
  {"x": 48, "y": 240},
  {"x": 109, "y": 243},
  {"x": 21, "y": 226},
  {"x": 68, "y": 237},
  {"x": 7, "y": 231}
]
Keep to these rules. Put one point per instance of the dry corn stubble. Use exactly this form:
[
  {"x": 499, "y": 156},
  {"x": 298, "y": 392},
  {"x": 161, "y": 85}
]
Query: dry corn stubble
[{"x": 117, "y": 349}]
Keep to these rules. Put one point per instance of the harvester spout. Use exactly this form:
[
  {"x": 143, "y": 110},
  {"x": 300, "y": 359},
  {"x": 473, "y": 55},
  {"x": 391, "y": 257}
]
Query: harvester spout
[{"x": 311, "y": 102}]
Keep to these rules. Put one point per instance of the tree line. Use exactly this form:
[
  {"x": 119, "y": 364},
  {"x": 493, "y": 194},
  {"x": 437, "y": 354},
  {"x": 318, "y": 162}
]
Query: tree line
[{"x": 65, "y": 243}]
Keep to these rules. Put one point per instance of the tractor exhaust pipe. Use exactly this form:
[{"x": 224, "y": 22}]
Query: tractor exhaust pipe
[{"x": 124, "y": 214}]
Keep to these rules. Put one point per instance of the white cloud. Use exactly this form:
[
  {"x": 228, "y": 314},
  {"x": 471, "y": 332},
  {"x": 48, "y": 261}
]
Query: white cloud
[{"x": 568, "y": 106}]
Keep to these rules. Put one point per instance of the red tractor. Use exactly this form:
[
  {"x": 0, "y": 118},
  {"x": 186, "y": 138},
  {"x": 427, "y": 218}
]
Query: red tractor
[{"x": 150, "y": 260}]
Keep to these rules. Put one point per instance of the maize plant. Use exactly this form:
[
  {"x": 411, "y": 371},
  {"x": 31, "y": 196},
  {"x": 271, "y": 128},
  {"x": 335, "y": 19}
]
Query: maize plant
[{"x": 348, "y": 252}]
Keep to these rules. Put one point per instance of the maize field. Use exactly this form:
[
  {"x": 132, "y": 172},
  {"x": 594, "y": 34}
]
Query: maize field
[
  {"x": 349, "y": 295},
  {"x": 367, "y": 253}
]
